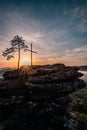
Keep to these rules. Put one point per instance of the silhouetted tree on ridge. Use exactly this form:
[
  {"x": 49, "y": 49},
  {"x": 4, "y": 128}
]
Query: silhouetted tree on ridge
[{"x": 16, "y": 45}]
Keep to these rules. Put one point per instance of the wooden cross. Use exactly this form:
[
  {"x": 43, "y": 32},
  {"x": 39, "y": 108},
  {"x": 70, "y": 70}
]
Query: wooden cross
[{"x": 31, "y": 53}]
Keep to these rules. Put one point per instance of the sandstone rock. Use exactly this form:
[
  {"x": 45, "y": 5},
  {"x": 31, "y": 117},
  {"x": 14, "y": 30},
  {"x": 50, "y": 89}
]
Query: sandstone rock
[
  {"x": 44, "y": 101},
  {"x": 10, "y": 74},
  {"x": 54, "y": 80}
]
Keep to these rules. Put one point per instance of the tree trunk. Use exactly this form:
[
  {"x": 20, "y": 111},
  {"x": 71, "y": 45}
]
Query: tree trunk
[{"x": 18, "y": 56}]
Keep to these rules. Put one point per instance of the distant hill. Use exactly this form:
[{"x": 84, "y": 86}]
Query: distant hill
[
  {"x": 5, "y": 68},
  {"x": 83, "y": 68}
]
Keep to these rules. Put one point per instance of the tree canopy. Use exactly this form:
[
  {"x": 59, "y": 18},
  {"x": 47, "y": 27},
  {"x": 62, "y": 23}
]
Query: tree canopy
[{"x": 16, "y": 45}]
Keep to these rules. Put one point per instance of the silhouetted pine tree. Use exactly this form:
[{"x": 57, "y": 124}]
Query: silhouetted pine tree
[{"x": 16, "y": 45}]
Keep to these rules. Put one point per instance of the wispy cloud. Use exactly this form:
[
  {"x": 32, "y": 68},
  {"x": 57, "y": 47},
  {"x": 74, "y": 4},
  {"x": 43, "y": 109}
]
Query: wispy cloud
[
  {"x": 81, "y": 49},
  {"x": 59, "y": 37},
  {"x": 80, "y": 11},
  {"x": 77, "y": 53}
]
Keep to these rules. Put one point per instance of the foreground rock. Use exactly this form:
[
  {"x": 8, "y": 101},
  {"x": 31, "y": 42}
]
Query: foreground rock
[
  {"x": 39, "y": 100},
  {"x": 12, "y": 74},
  {"x": 54, "y": 81}
]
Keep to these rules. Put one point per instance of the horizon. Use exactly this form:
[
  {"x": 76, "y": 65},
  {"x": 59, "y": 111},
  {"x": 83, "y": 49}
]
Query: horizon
[
  {"x": 40, "y": 64},
  {"x": 57, "y": 30}
]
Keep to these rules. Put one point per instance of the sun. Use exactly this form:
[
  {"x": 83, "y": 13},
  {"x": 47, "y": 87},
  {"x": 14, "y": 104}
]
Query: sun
[
  {"x": 25, "y": 62},
  {"x": 26, "y": 70}
]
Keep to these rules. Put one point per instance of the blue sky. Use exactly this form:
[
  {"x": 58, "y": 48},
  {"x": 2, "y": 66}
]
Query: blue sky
[{"x": 57, "y": 29}]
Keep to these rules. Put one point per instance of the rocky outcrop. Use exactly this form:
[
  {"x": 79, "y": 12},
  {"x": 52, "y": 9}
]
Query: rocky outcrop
[
  {"x": 44, "y": 82},
  {"x": 23, "y": 71},
  {"x": 55, "y": 80},
  {"x": 12, "y": 74},
  {"x": 42, "y": 102}
]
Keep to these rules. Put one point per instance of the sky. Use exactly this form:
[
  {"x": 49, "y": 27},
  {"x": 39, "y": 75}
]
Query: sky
[{"x": 56, "y": 28}]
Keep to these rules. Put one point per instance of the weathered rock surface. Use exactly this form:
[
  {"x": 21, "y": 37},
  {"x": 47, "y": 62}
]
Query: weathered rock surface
[
  {"x": 55, "y": 80},
  {"x": 44, "y": 81},
  {"x": 39, "y": 100},
  {"x": 12, "y": 74}
]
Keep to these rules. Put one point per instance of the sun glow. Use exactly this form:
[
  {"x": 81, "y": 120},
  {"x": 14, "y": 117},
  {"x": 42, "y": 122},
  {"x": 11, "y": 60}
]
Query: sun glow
[
  {"x": 25, "y": 70},
  {"x": 25, "y": 62}
]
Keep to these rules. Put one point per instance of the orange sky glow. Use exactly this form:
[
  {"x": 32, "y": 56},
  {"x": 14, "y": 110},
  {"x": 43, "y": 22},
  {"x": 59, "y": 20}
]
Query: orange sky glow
[{"x": 57, "y": 30}]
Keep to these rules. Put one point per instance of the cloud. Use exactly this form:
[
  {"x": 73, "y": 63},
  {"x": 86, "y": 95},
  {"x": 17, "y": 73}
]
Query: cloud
[
  {"x": 77, "y": 53},
  {"x": 80, "y": 11},
  {"x": 40, "y": 35},
  {"x": 81, "y": 49},
  {"x": 56, "y": 39}
]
